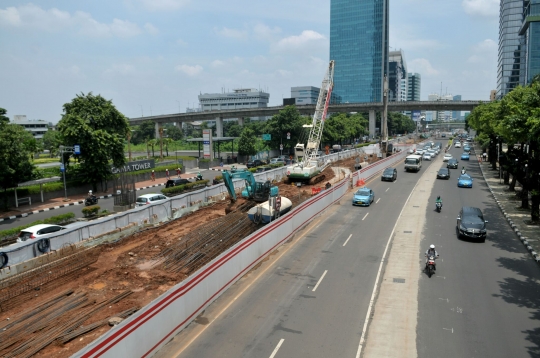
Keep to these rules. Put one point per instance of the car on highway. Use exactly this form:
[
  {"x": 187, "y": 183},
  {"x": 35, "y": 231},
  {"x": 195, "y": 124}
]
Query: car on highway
[
  {"x": 465, "y": 156},
  {"x": 443, "y": 173},
  {"x": 363, "y": 197},
  {"x": 443, "y": 135},
  {"x": 420, "y": 151},
  {"x": 254, "y": 163},
  {"x": 452, "y": 163},
  {"x": 466, "y": 148},
  {"x": 432, "y": 152},
  {"x": 175, "y": 182},
  {"x": 277, "y": 161},
  {"x": 457, "y": 145},
  {"x": 464, "y": 181},
  {"x": 426, "y": 156},
  {"x": 471, "y": 223},
  {"x": 447, "y": 157},
  {"x": 389, "y": 174},
  {"x": 147, "y": 199},
  {"x": 34, "y": 232}
]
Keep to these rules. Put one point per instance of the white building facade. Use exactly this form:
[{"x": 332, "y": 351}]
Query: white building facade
[{"x": 37, "y": 127}]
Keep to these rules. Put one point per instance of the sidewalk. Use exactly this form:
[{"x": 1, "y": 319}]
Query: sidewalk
[
  {"x": 57, "y": 203},
  {"x": 509, "y": 204}
]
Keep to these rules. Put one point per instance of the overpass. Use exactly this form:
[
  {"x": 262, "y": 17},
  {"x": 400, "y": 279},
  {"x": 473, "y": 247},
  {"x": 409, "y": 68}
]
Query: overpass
[{"x": 370, "y": 107}]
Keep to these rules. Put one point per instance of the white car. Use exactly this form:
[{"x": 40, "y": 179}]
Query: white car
[
  {"x": 147, "y": 199},
  {"x": 420, "y": 152},
  {"x": 426, "y": 156},
  {"x": 432, "y": 153},
  {"x": 34, "y": 232},
  {"x": 447, "y": 157},
  {"x": 457, "y": 145}
]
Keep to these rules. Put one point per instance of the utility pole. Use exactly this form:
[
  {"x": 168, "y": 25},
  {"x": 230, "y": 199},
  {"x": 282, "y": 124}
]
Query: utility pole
[{"x": 384, "y": 119}]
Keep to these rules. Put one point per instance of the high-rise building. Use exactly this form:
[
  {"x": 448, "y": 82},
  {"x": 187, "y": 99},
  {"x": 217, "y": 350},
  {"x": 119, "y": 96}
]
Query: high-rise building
[
  {"x": 439, "y": 115},
  {"x": 397, "y": 76},
  {"x": 239, "y": 98},
  {"x": 413, "y": 87},
  {"x": 309, "y": 95},
  {"x": 456, "y": 115},
  {"x": 359, "y": 46},
  {"x": 530, "y": 30}
]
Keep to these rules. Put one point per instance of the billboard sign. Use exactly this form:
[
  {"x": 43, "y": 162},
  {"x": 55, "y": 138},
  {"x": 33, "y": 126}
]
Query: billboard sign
[
  {"x": 134, "y": 166},
  {"x": 416, "y": 115},
  {"x": 207, "y": 143}
]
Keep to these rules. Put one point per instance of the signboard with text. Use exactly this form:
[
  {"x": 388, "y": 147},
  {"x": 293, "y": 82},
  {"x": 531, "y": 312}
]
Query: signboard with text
[
  {"x": 416, "y": 115},
  {"x": 266, "y": 137},
  {"x": 134, "y": 166},
  {"x": 207, "y": 143}
]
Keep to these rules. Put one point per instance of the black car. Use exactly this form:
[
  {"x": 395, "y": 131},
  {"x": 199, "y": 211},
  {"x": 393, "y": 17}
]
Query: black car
[
  {"x": 389, "y": 174},
  {"x": 263, "y": 169},
  {"x": 175, "y": 182},
  {"x": 471, "y": 224},
  {"x": 443, "y": 173},
  {"x": 255, "y": 163},
  {"x": 452, "y": 164}
]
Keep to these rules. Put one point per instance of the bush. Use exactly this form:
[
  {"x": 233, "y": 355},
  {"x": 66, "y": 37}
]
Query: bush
[
  {"x": 90, "y": 210},
  {"x": 180, "y": 188},
  {"x": 56, "y": 220}
]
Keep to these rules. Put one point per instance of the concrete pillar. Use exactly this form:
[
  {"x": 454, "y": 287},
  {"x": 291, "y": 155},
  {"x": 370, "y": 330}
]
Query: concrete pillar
[
  {"x": 157, "y": 127},
  {"x": 219, "y": 127},
  {"x": 372, "y": 123},
  {"x": 241, "y": 121}
]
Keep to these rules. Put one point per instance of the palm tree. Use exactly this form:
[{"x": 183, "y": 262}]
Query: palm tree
[
  {"x": 152, "y": 143},
  {"x": 167, "y": 141}
]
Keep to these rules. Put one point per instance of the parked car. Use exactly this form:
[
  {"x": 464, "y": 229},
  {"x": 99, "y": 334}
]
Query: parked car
[
  {"x": 389, "y": 174},
  {"x": 34, "y": 232},
  {"x": 262, "y": 169},
  {"x": 464, "y": 181},
  {"x": 254, "y": 163},
  {"x": 452, "y": 163},
  {"x": 471, "y": 223},
  {"x": 175, "y": 182},
  {"x": 147, "y": 199},
  {"x": 443, "y": 173},
  {"x": 277, "y": 161},
  {"x": 363, "y": 197}
]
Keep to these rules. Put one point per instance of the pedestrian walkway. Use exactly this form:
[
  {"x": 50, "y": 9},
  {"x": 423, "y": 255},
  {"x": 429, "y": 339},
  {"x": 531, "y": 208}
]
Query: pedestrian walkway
[
  {"x": 510, "y": 206},
  {"x": 61, "y": 202}
]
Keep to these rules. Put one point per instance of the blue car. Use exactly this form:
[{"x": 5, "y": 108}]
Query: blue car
[
  {"x": 467, "y": 148},
  {"x": 363, "y": 197},
  {"x": 464, "y": 181},
  {"x": 465, "y": 156}
]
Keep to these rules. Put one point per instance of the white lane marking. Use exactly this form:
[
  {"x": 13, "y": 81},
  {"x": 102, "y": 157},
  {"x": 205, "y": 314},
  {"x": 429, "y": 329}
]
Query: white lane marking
[
  {"x": 318, "y": 282},
  {"x": 346, "y": 241},
  {"x": 377, "y": 200},
  {"x": 372, "y": 300},
  {"x": 387, "y": 190},
  {"x": 277, "y": 348},
  {"x": 365, "y": 216},
  {"x": 449, "y": 329},
  {"x": 444, "y": 299}
]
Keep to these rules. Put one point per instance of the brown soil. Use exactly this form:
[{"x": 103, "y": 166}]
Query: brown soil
[{"x": 128, "y": 265}]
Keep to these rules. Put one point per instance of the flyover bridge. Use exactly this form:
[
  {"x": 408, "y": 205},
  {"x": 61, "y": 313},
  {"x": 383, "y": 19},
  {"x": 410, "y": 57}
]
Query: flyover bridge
[{"x": 370, "y": 107}]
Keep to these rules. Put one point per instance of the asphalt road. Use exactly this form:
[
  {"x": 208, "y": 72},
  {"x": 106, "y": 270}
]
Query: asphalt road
[
  {"x": 485, "y": 298},
  {"x": 312, "y": 301}
]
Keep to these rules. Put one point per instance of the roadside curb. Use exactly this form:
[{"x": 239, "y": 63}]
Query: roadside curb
[{"x": 515, "y": 228}]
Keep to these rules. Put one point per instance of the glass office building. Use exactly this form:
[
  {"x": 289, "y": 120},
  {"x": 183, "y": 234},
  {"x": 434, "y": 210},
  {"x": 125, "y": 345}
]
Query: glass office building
[
  {"x": 359, "y": 47},
  {"x": 530, "y": 30}
]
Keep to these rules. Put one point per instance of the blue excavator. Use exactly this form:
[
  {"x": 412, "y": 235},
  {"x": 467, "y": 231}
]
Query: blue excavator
[{"x": 253, "y": 190}]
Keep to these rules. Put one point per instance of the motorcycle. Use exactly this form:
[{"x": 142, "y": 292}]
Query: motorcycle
[
  {"x": 438, "y": 207},
  {"x": 199, "y": 177},
  {"x": 463, "y": 171},
  {"x": 430, "y": 267},
  {"x": 91, "y": 200}
]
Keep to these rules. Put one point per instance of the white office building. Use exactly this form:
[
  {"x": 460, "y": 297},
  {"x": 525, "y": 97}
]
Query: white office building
[
  {"x": 309, "y": 95},
  {"x": 37, "y": 127},
  {"x": 238, "y": 99},
  {"x": 443, "y": 116}
]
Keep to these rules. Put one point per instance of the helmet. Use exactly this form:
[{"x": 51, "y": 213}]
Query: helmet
[
  {"x": 89, "y": 191},
  {"x": 431, "y": 246},
  {"x": 439, "y": 197}
]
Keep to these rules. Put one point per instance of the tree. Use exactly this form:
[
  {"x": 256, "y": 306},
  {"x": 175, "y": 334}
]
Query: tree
[
  {"x": 173, "y": 132},
  {"x": 3, "y": 117},
  {"x": 145, "y": 130},
  {"x": 231, "y": 129},
  {"x": 152, "y": 143},
  {"x": 15, "y": 149},
  {"x": 100, "y": 129},
  {"x": 52, "y": 141},
  {"x": 288, "y": 120},
  {"x": 246, "y": 144}
]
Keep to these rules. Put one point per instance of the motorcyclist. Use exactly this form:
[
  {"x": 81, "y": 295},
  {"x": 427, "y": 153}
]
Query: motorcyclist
[
  {"x": 463, "y": 171},
  {"x": 438, "y": 200},
  {"x": 91, "y": 197},
  {"x": 431, "y": 252},
  {"x": 199, "y": 176}
]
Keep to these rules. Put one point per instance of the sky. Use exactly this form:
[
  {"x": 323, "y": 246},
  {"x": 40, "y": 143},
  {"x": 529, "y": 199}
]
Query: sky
[{"x": 154, "y": 57}]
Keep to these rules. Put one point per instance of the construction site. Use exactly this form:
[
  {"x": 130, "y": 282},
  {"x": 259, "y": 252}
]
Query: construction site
[{"x": 56, "y": 309}]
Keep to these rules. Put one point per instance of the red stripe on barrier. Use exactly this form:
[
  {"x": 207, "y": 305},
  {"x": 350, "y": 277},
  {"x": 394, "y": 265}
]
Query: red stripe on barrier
[{"x": 181, "y": 291}]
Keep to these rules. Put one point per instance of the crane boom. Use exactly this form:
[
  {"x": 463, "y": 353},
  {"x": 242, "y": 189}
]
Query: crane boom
[{"x": 319, "y": 116}]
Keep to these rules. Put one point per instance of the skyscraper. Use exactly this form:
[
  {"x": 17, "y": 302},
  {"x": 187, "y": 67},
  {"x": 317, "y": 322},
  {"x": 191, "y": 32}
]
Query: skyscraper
[
  {"x": 456, "y": 114},
  {"x": 397, "y": 76},
  {"x": 359, "y": 45},
  {"x": 530, "y": 30},
  {"x": 413, "y": 88}
]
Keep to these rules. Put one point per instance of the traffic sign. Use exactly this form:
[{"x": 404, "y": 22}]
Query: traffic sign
[
  {"x": 266, "y": 137},
  {"x": 281, "y": 147},
  {"x": 288, "y": 135},
  {"x": 62, "y": 169},
  {"x": 77, "y": 149}
]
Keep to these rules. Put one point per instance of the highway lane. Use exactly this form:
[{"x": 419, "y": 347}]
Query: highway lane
[
  {"x": 485, "y": 298},
  {"x": 313, "y": 298}
]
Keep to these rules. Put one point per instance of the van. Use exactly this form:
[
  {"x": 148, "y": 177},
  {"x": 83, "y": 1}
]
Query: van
[{"x": 413, "y": 163}]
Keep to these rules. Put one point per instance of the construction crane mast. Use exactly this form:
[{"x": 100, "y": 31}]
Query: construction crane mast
[{"x": 309, "y": 165}]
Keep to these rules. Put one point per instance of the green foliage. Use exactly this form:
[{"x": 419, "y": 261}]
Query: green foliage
[
  {"x": 343, "y": 127},
  {"x": 399, "y": 123},
  {"x": 231, "y": 129},
  {"x": 53, "y": 220},
  {"x": 146, "y": 130},
  {"x": 246, "y": 144},
  {"x": 90, "y": 210},
  {"x": 288, "y": 120},
  {"x": 3, "y": 118},
  {"x": 52, "y": 141},
  {"x": 100, "y": 129},
  {"x": 175, "y": 190},
  {"x": 173, "y": 132}
]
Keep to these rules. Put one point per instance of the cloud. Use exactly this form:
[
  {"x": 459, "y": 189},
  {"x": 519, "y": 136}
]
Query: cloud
[
  {"x": 54, "y": 20},
  {"x": 151, "y": 29},
  {"x": 181, "y": 42},
  {"x": 486, "y": 8},
  {"x": 164, "y": 5},
  {"x": 422, "y": 66},
  {"x": 217, "y": 64},
  {"x": 189, "y": 70},
  {"x": 264, "y": 32},
  {"x": 305, "y": 41},
  {"x": 232, "y": 33},
  {"x": 483, "y": 52}
]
